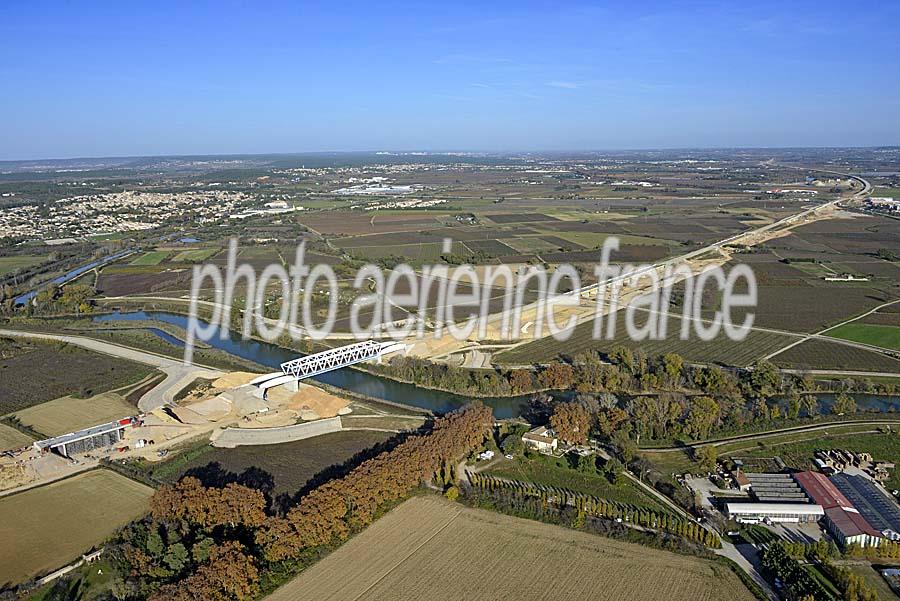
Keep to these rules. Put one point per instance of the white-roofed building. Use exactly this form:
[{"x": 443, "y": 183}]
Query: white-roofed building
[{"x": 752, "y": 513}]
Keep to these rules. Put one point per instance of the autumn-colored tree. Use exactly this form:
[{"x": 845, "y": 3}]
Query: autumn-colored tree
[
  {"x": 520, "y": 380},
  {"x": 609, "y": 420},
  {"x": 328, "y": 513},
  {"x": 229, "y": 575},
  {"x": 571, "y": 422},
  {"x": 190, "y": 501},
  {"x": 843, "y": 403},
  {"x": 557, "y": 376}
]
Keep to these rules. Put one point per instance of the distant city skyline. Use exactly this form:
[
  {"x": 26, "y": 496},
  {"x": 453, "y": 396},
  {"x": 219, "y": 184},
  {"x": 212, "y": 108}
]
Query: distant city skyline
[{"x": 164, "y": 79}]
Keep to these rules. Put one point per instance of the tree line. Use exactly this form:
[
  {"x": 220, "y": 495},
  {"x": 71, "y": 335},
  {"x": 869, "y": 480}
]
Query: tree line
[
  {"x": 669, "y": 398},
  {"x": 222, "y": 544},
  {"x": 784, "y": 560},
  {"x": 589, "y": 505}
]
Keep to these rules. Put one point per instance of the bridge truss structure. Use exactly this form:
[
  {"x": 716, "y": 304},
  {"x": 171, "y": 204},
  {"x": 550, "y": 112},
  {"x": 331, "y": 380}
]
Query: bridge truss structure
[{"x": 330, "y": 360}]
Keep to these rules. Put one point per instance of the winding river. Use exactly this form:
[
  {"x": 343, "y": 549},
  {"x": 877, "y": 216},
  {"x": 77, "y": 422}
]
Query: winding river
[
  {"x": 378, "y": 387},
  {"x": 357, "y": 381}
]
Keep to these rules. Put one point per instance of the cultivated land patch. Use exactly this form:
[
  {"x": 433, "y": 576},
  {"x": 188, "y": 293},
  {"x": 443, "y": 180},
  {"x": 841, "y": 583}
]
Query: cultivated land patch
[
  {"x": 45, "y": 528},
  {"x": 194, "y": 256},
  {"x": 878, "y": 335},
  {"x": 53, "y": 370},
  {"x": 10, "y": 438},
  {"x": 543, "y": 471},
  {"x": 68, "y": 414},
  {"x": 10, "y": 264},
  {"x": 432, "y": 549},
  {"x": 822, "y": 354},
  {"x": 151, "y": 258},
  {"x": 277, "y": 468}
]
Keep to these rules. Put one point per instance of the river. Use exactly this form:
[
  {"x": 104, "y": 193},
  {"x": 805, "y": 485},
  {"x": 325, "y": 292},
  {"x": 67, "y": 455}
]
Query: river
[
  {"x": 378, "y": 387},
  {"x": 354, "y": 380},
  {"x": 71, "y": 275}
]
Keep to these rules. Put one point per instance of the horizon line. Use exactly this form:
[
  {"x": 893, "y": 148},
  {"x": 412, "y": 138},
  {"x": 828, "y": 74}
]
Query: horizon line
[{"x": 505, "y": 152}]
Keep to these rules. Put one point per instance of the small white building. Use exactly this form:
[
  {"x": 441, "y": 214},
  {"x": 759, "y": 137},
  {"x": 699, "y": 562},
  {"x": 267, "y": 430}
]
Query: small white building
[{"x": 542, "y": 439}]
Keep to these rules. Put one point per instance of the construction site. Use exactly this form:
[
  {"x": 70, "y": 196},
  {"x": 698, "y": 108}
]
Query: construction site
[{"x": 229, "y": 409}]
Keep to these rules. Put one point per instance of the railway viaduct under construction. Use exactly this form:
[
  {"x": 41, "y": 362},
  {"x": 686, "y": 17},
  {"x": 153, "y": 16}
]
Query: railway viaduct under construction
[{"x": 88, "y": 439}]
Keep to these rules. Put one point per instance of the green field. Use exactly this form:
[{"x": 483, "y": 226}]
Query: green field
[
  {"x": 47, "y": 527},
  {"x": 194, "y": 256},
  {"x": 151, "y": 258},
  {"x": 46, "y": 370},
  {"x": 10, "y": 264},
  {"x": 876, "y": 335},
  {"x": 551, "y": 472}
]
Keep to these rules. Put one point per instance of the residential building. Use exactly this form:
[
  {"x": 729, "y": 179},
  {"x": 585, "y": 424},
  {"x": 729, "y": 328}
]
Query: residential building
[{"x": 541, "y": 439}]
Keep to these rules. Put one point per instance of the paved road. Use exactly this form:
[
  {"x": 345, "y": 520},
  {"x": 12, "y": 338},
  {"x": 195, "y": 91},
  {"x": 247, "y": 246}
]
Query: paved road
[
  {"x": 178, "y": 375},
  {"x": 731, "y": 552}
]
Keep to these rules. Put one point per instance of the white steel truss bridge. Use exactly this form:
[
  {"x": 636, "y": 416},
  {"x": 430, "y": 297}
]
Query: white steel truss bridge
[{"x": 319, "y": 363}]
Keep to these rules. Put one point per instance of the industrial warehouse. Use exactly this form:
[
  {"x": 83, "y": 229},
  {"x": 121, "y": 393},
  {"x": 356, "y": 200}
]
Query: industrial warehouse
[{"x": 853, "y": 508}]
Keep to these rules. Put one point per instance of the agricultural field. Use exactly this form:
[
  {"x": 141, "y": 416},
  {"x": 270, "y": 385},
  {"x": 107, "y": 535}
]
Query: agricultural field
[
  {"x": 799, "y": 446},
  {"x": 68, "y": 414},
  {"x": 383, "y": 422},
  {"x": 151, "y": 258},
  {"x": 432, "y": 549},
  {"x": 550, "y": 472},
  {"x": 47, "y": 527},
  {"x": 10, "y": 438},
  {"x": 757, "y": 344},
  {"x": 884, "y": 336},
  {"x": 53, "y": 370},
  {"x": 194, "y": 256},
  {"x": 11, "y": 264},
  {"x": 821, "y": 354},
  {"x": 277, "y": 469}
]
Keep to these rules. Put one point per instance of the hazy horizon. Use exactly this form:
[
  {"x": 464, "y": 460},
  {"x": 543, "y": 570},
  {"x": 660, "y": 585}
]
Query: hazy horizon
[
  {"x": 178, "y": 80},
  {"x": 440, "y": 152}
]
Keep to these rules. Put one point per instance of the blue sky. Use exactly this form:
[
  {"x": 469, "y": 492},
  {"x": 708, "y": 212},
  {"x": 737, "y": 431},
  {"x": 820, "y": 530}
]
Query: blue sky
[{"x": 143, "y": 78}]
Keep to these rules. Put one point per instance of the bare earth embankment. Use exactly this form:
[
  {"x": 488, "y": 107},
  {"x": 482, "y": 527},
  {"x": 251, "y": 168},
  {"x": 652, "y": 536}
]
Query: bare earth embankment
[{"x": 433, "y": 549}]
